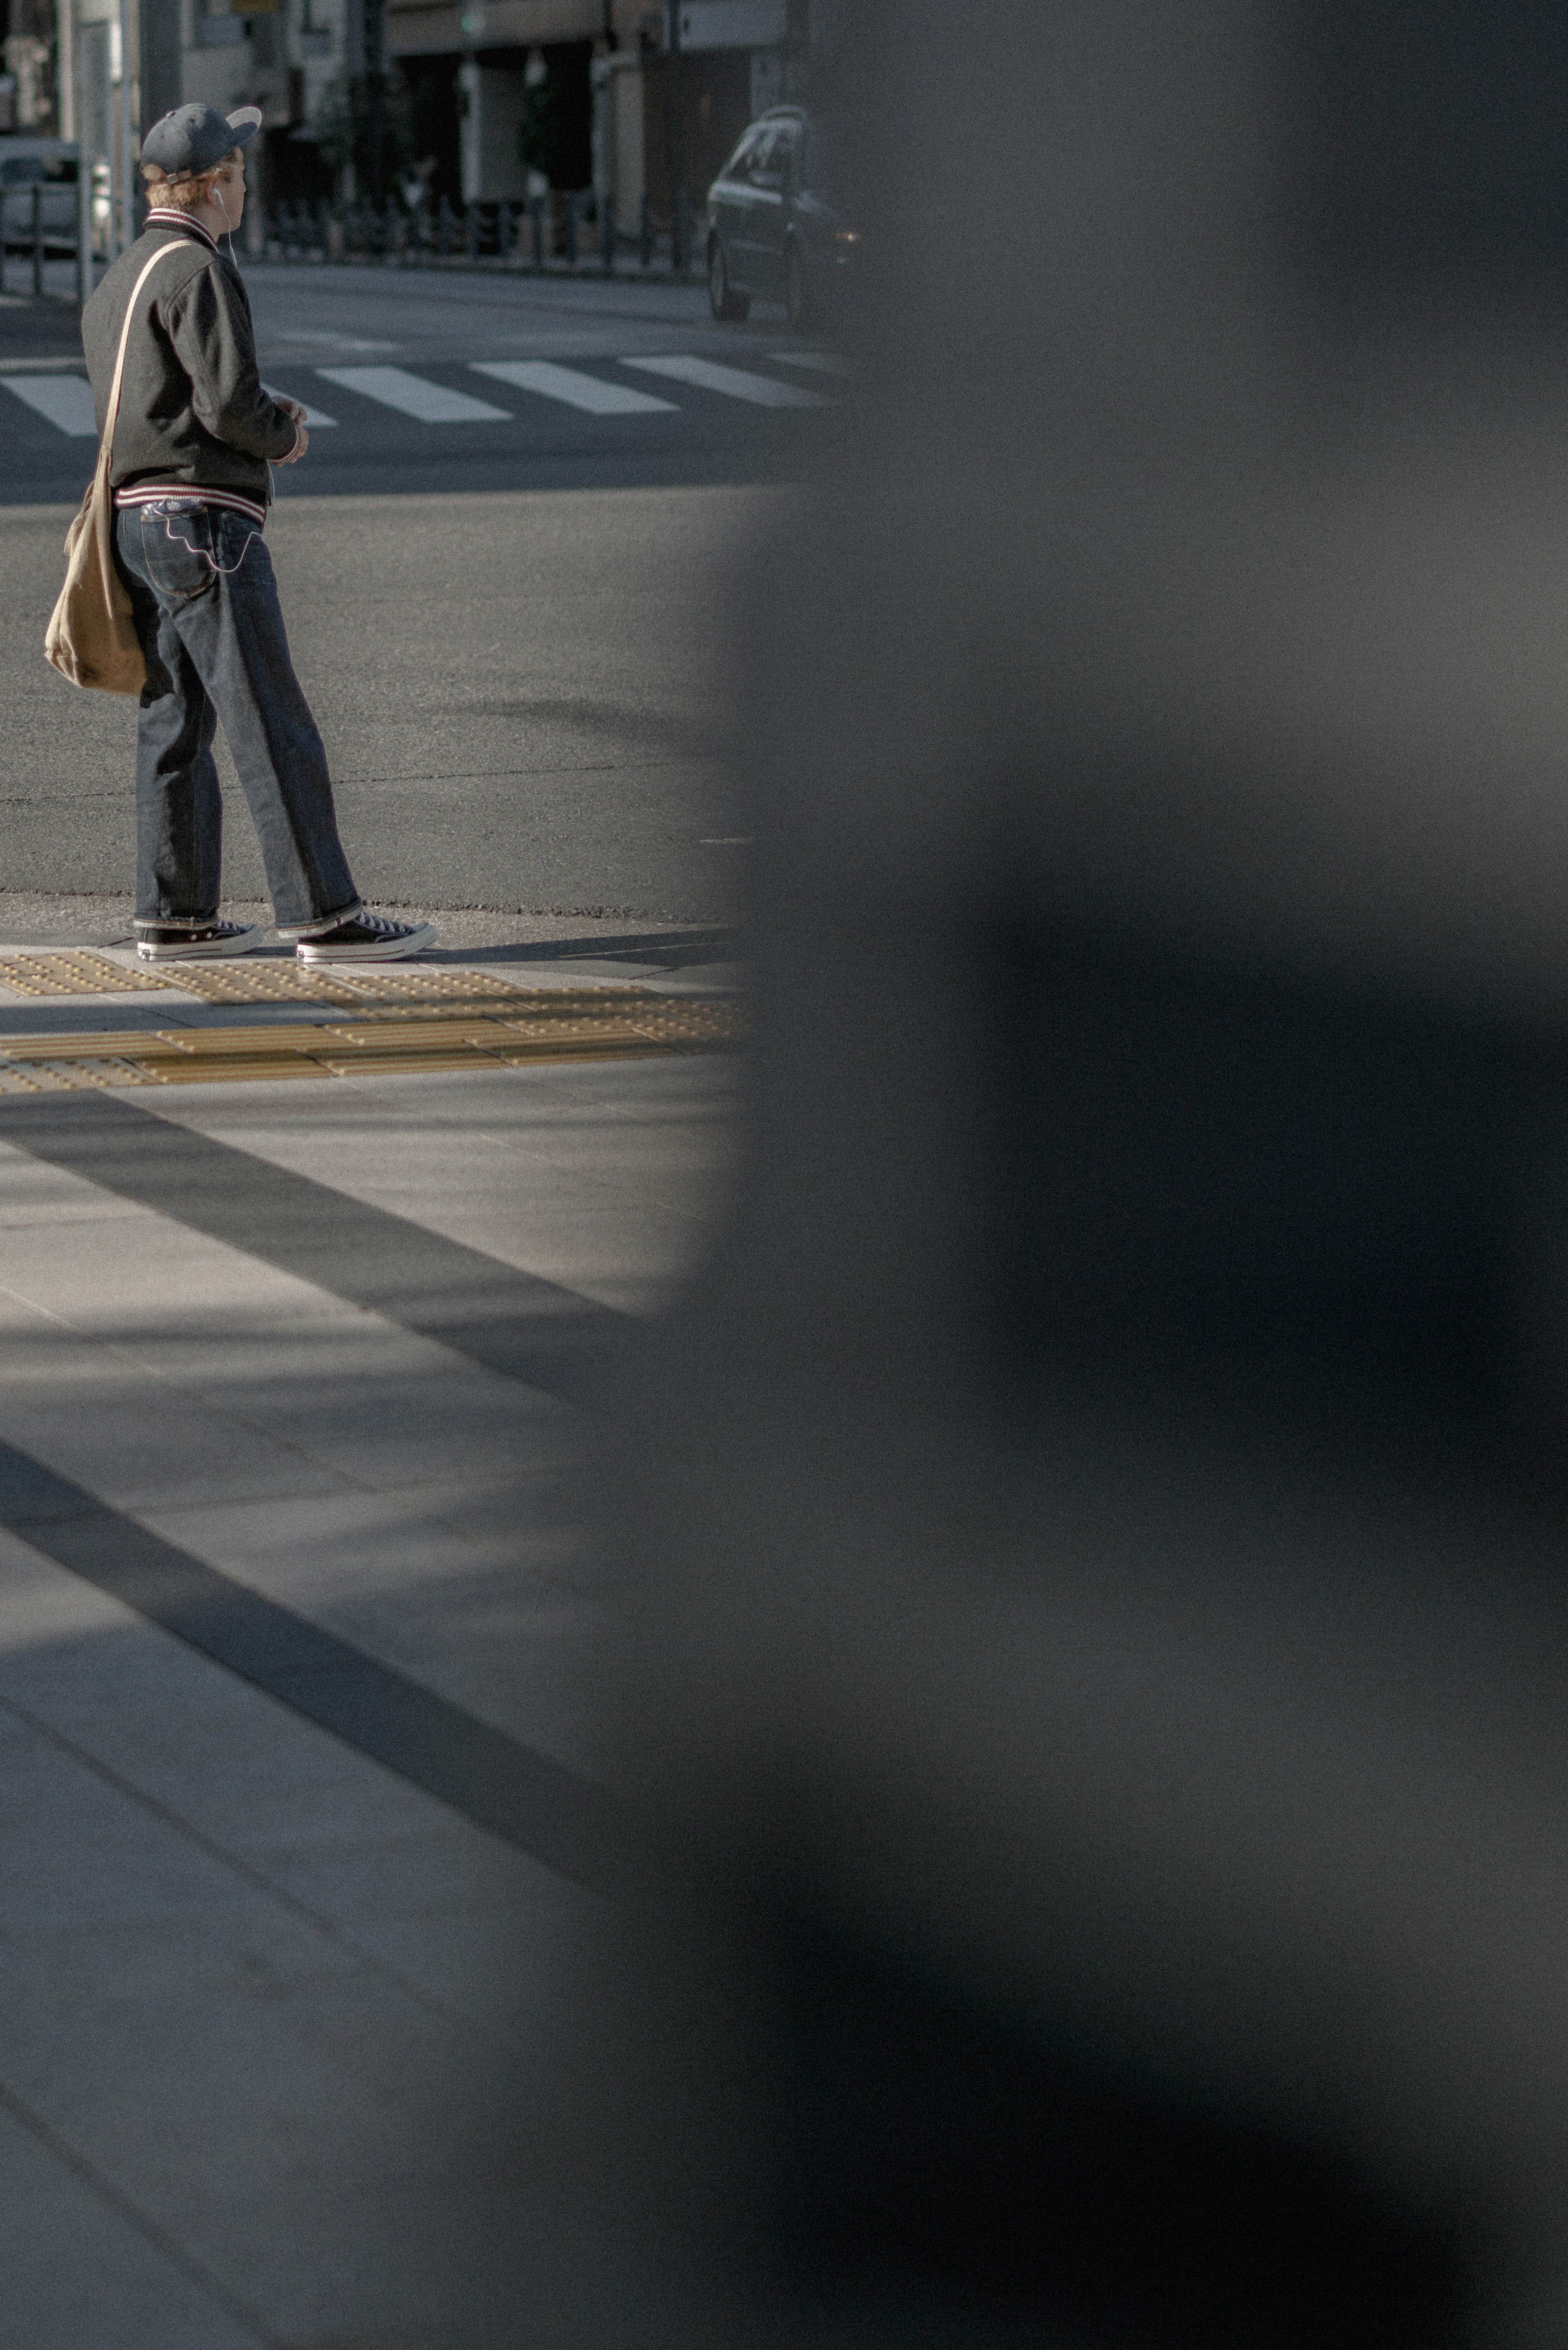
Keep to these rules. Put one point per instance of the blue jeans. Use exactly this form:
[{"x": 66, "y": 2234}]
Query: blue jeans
[{"x": 211, "y": 633}]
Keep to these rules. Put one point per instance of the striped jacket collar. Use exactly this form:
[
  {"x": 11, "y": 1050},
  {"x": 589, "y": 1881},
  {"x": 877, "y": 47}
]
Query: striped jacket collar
[{"x": 167, "y": 216}]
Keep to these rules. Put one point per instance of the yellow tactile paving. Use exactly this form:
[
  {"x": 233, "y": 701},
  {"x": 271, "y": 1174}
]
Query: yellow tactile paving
[
  {"x": 71, "y": 970},
  {"x": 509, "y": 1028},
  {"x": 381, "y": 991},
  {"x": 274, "y": 981},
  {"x": 75, "y": 971}
]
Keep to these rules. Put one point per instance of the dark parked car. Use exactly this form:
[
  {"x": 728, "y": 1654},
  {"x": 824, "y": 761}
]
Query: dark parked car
[{"x": 775, "y": 232}]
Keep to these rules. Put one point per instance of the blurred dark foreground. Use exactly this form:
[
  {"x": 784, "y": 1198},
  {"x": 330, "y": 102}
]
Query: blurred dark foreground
[{"x": 1091, "y": 1690}]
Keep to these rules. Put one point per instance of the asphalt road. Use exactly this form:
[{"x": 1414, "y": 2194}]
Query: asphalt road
[{"x": 511, "y": 626}]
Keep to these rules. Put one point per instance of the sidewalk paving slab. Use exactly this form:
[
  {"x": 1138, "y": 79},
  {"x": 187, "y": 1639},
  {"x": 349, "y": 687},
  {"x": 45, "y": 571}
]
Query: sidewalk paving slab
[{"x": 275, "y": 2022}]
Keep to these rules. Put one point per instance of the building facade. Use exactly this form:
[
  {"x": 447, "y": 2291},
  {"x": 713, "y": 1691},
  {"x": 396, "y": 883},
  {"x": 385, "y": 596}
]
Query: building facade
[{"x": 485, "y": 100}]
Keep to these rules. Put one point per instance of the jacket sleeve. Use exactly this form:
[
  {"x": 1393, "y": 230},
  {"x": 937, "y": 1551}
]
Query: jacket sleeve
[{"x": 211, "y": 332}]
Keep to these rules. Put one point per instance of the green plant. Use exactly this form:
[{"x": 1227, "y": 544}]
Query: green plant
[
  {"x": 539, "y": 132},
  {"x": 341, "y": 125}
]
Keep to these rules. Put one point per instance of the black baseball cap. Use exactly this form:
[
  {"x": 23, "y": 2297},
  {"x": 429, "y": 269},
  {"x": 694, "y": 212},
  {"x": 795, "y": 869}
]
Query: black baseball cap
[{"x": 196, "y": 137}]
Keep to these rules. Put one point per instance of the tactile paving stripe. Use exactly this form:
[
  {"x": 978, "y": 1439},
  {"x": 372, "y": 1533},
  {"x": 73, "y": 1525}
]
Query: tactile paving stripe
[
  {"x": 269, "y": 979},
  {"x": 277, "y": 981},
  {"x": 72, "y": 971},
  {"x": 530, "y": 1027}
]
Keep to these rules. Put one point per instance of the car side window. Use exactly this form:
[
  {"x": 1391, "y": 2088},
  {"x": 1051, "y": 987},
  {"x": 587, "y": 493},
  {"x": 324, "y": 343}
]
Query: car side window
[
  {"x": 786, "y": 158},
  {"x": 739, "y": 162},
  {"x": 766, "y": 164}
]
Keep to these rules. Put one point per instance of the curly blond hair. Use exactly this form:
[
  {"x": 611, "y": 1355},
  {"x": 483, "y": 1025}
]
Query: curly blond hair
[{"x": 193, "y": 188}]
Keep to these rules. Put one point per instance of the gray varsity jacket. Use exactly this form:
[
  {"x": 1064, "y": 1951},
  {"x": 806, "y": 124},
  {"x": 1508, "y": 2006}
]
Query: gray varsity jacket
[{"x": 193, "y": 413}]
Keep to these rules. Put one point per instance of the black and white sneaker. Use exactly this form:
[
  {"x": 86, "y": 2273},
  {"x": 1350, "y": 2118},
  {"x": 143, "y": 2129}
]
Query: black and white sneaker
[
  {"x": 367, "y": 938},
  {"x": 175, "y": 943}
]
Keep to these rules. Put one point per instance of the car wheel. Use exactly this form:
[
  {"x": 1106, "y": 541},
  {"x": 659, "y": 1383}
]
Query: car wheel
[
  {"x": 722, "y": 298},
  {"x": 795, "y": 302}
]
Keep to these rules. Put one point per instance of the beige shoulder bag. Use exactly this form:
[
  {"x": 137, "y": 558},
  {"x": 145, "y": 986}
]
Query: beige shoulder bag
[{"x": 91, "y": 638}]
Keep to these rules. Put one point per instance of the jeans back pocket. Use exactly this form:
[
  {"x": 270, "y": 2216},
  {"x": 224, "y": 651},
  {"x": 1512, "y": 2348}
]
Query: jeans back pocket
[{"x": 178, "y": 549}]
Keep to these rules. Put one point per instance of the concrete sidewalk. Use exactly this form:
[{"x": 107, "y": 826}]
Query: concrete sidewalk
[{"x": 297, "y": 1450}]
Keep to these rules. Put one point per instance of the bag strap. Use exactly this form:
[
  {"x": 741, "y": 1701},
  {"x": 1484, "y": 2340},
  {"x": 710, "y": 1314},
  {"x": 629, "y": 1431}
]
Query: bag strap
[{"x": 106, "y": 446}]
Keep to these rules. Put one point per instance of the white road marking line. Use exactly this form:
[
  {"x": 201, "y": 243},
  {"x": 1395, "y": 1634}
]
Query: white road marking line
[
  {"x": 824, "y": 362},
  {"x": 735, "y": 383},
  {"x": 63, "y": 401},
  {"x": 315, "y": 418},
  {"x": 335, "y": 342},
  {"x": 578, "y": 390},
  {"x": 413, "y": 395}
]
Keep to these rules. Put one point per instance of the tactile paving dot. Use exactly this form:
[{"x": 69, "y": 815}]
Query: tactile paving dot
[
  {"x": 73, "y": 971},
  {"x": 98, "y": 1069},
  {"x": 261, "y": 983},
  {"x": 639, "y": 1012},
  {"x": 277, "y": 981},
  {"x": 411, "y": 985},
  {"x": 374, "y": 989}
]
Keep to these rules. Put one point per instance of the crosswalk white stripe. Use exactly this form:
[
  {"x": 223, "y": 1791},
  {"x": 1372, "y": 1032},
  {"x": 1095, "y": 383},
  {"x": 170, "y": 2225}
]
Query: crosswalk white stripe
[
  {"x": 735, "y": 383},
  {"x": 315, "y": 418},
  {"x": 414, "y": 395},
  {"x": 569, "y": 384},
  {"x": 63, "y": 401},
  {"x": 823, "y": 362}
]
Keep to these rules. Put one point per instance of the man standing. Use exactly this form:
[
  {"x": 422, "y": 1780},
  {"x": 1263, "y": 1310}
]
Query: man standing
[{"x": 193, "y": 443}]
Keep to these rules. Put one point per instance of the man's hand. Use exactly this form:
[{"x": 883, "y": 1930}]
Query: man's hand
[{"x": 293, "y": 408}]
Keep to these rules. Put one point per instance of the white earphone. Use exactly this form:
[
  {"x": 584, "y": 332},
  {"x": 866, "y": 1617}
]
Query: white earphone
[{"x": 228, "y": 221}]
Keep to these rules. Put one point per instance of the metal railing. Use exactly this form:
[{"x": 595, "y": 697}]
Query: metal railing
[
  {"x": 25, "y": 234},
  {"x": 572, "y": 232},
  {"x": 96, "y": 232}
]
